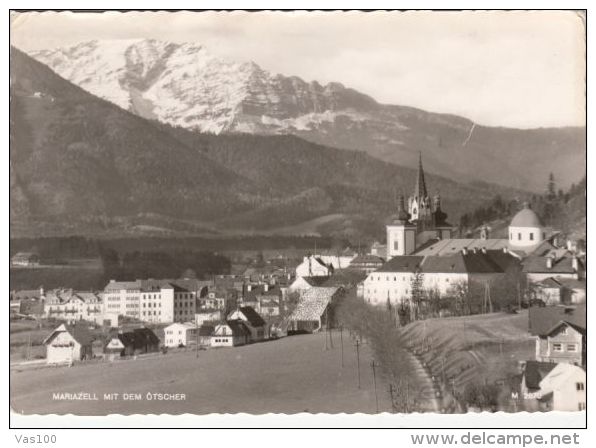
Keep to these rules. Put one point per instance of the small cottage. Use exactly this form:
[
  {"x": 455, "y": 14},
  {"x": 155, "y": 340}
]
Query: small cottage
[
  {"x": 180, "y": 334},
  {"x": 230, "y": 334},
  {"x": 67, "y": 344},
  {"x": 252, "y": 320}
]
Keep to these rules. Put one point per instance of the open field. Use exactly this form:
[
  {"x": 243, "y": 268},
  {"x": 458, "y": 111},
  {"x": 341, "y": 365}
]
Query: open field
[
  {"x": 289, "y": 375},
  {"x": 480, "y": 348}
]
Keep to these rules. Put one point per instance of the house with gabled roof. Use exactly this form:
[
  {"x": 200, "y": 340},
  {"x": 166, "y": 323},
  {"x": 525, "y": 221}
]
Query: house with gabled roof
[
  {"x": 315, "y": 309},
  {"x": 231, "y": 333},
  {"x": 314, "y": 266},
  {"x": 70, "y": 306},
  {"x": 69, "y": 343},
  {"x": 252, "y": 320},
  {"x": 560, "y": 333},
  {"x": 563, "y": 389}
]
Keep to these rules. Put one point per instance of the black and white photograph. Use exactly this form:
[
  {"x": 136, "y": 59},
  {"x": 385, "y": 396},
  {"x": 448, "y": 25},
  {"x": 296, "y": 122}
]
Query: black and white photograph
[{"x": 298, "y": 212}]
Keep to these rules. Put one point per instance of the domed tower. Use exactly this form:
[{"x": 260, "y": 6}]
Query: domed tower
[
  {"x": 525, "y": 228},
  {"x": 419, "y": 205},
  {"x": 401, "y": 234}
]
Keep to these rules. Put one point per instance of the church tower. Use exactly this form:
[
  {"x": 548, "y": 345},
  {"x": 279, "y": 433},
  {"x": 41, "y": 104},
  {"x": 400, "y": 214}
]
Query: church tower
[
  {"x": 401, "y": 234},
  {"x": 419, "y": 204}
]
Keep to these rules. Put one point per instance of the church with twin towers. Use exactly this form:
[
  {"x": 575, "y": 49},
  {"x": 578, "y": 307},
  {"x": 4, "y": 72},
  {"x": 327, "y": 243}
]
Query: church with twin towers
[{"x": 423, "y": 220}]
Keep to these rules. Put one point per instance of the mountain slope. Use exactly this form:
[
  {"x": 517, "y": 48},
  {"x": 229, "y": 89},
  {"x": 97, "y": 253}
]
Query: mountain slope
[
  {"x": 78, "y": 156},
  {"x": 184, "y": 85},
  {"x": 79, "y": 164}
]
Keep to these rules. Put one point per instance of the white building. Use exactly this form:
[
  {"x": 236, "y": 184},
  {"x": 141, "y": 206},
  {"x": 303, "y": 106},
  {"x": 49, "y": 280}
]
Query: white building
[
  {"x": 70, "y": 306},
  {"x": 67, "y": 344},
  {"x": 313, "y": 266},
  {"x": 393, "y": 281},
  {"x": 564, "y": 389},
  {"x": 123, "y": 298},
  {"x": 156, "y": 301},
  {"x": 525, "y": 229},
  {"x": 180, "y": 334},
  {"x": 230, "y": 334}
]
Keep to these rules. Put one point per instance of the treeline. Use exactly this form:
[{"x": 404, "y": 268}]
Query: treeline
[
  {"x": 72, "y": 247},
  {"x": 555, "y": 207},
  {"x": 142, "y": 265},
  {"x": 497, "y": 208}
]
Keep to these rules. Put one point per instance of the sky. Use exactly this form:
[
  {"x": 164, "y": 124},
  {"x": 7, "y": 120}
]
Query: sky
[{"x": 514, "y": 69}]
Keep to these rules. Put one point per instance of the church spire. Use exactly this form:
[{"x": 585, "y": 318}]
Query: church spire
[{"x": 420, "y": 187}]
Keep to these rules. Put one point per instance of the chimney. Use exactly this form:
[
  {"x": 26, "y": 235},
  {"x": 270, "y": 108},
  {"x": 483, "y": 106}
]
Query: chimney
[
  {"x": 474, "y": 250},
  {"x": 464, "y": 251},
  {"x": 574, "y": 263},
  {"x": 549, "y": 262}
]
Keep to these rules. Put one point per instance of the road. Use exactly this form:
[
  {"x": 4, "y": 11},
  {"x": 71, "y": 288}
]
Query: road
[{"x": 289, "y": 375}]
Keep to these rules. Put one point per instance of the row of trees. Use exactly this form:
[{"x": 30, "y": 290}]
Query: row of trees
[
  {"x": 462, "y": 298},
  {"x": 133, "y": 265},
  {"x": 376, "y": 327}
]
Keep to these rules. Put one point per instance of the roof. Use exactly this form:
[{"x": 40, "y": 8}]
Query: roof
[
  {"x": 549, "y": 283},
  {"x": 117, "y": 286},
  {"x": 534, "y": 264},
  {"x": 455, "y": 245},
  {"x": 24, "y": 255},
  {"x": 559, "y": 376},
  {"x": 237, "y": 326},
  {"x": 526, "y": 217},
  {"x": 345, "y": 277},
  {"x": 252, "y": 316},
  {"x": 542, "y": 320},
  {"x": 472, "y": 263},
  {"x": 315, "y": 281},
  {"x": 206, "y": 330},
  {"x": 406, "y": 263},
  {"x": 26, "y": 294},
  {"x": 367, "y": 259},
  {"x": 535, "y": 371},
  {"x": 571, "y": 283},
  {"x": 79, "y": 333},
  {"x": 312, "y": 303},
  {"x": 138, "y": 338}
]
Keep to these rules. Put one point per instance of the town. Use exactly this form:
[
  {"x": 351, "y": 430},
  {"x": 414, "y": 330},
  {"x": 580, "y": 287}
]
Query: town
[{"x": 453, "y": 323}]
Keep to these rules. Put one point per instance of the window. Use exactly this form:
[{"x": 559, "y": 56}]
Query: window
[
  {"x": 579, "y": 386},
  {"x": 395, "y": 245},
  {"x": 519, "y": 236},
  {"x": 531, "y": 236},
  {"x": 543, "y": 235},
  {"x": 557, "y": 347},
  {"x": 581, "y": 406}
]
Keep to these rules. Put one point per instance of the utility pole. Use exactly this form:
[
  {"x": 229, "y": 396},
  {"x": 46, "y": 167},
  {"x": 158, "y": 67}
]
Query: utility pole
[
  {"x": 375, "y": 385},
  {"x": 341, "y": 338},
  {"x": 391, "y": 391},
  {"x": 197, "y": 330},
  {"x": 358, "y": 360},
  {"x": 407, "y": 396}
]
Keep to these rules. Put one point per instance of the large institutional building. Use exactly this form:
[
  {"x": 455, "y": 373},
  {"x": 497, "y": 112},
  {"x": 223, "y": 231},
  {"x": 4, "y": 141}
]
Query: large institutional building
[{"x": 420, "y": 241}]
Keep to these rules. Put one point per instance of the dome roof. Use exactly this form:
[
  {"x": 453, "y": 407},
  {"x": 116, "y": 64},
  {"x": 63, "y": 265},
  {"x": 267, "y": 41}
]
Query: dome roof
[{"x": 526, "y": 217}]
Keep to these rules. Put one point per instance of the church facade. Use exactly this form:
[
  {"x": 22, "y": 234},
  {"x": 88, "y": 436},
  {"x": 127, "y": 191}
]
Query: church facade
[{"x": 424, "y": 220}]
